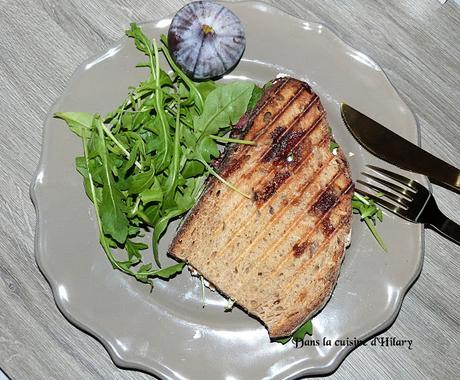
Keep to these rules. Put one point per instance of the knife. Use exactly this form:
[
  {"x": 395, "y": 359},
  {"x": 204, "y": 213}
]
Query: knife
[{"x": 391, "y": 147}]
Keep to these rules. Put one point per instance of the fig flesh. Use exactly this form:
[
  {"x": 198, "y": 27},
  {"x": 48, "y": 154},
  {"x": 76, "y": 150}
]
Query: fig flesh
[{"x": 206, "y": 39}]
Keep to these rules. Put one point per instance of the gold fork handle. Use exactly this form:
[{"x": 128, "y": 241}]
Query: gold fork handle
[{"x": 446, "y": 227}]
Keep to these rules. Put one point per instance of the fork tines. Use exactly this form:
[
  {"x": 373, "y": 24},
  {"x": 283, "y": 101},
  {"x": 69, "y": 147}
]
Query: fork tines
[
  {"x": 397, "y": 177},
  {"x": 401, "y": 196}
]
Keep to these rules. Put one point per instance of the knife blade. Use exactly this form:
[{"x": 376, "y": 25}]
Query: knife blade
[{"x": 396, "y": 150}]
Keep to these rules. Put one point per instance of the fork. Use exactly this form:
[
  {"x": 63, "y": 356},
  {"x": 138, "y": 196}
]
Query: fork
[{"x": 411, "y": 201}]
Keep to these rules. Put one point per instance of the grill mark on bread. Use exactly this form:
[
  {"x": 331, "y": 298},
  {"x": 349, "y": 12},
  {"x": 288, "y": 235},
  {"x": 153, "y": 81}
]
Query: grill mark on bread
[
  {"x": 245, "y": 148},
  {"x": 273, "y": 273},
  {"x": 276, "y": 214},
  {"x": 233, "y": 166},
  {"x": 342, "y": 223},
  {"x": 297, "y": 198},
  {"x": 287, "y": 104},
  {"x": 279, "y": 138},
  {"x": 313, "y": 100},
  {"x": 265, "y": 194},
  {"x": 276, "y": 116},
  {"x": 279, "y": 214},
  {"x": 276, "y": 134},
  {"x": 274, "y": 93},
  {"x": 292, "y": 225},
  {"x": 326, "y": 226},
  {"x": 279, "y": 157},
  {"x": 305, "y": 242},
  {"x": 324, "y": 243},
  {"x": 299, "y": 249},
  {"x": 282, "y": 146},
  {"x": 324, "y": 203},
  {"x": 295, "y": 165}
]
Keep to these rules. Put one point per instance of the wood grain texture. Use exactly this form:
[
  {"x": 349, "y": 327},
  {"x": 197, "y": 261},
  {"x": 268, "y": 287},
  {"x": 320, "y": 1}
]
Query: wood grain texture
[{"x": 41, "y": 44}]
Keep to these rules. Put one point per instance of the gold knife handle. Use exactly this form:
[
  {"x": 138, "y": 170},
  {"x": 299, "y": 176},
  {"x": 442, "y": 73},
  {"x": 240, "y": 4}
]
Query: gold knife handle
[
  {"x": 398, "y": 151},
  {"x": 442, "y": 224}
]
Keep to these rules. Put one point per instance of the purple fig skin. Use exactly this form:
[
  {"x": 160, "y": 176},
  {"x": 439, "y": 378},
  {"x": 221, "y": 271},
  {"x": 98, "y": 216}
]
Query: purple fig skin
[{"x": 206, "y": 40}]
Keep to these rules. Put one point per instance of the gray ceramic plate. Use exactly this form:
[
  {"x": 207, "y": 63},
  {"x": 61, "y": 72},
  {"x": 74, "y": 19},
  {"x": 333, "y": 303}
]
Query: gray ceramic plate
[{"x": 167, "y": 332}]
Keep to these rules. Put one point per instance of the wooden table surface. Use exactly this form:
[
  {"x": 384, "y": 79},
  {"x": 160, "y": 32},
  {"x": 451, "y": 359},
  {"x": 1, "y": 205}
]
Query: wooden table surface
[{"x": 417, "y": 42}]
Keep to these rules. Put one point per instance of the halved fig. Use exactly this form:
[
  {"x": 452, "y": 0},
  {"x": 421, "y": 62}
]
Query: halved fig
[{"x": 206, "y": 39}]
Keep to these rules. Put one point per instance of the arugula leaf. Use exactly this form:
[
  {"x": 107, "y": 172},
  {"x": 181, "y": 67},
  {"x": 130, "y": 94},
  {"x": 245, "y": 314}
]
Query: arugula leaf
[
  {"x": 80, "y": 164},
  {"x": 284, "y": 340},
  {"x": 193, "y": 169},
  {"x": 94, "y": 197},
  {"x": 195, "y": 94},
  {"x": 267, "y": 85},
  {"x": 140, "y": 40},
  {"x": 257, "y": 94},
  {"x": 207, "y": 149},
  {"x": 160, "y": 227},
  {"x": 154, "y": 194},
  {"x": 133, "y": 249},
  {"x": 306, "y": 328},
  {"x": 127, "y": 165},
  {"x": 205, "y": 88},
  {"x": 137, "y": 183},
  {"x": 145, "y": 271},
  {"x": 369, "y": 212},
  {"x": 299, "y": 334},
  {"x": 223, "y": 107},
  {"x": 333, "y": 145},
  {"x": 114, "y": 221},
  {"x": 170, "y": 271},
  {"x": 171, "y": 181},
  {"x": 78, "y": 122}
]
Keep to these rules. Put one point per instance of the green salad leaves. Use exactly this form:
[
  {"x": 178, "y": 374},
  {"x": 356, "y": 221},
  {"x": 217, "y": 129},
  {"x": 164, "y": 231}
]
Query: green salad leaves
[
  {"x": 145, "y": 163},
  {"x": 299, "y": 334},
  {"x": 369, "y": 212}
]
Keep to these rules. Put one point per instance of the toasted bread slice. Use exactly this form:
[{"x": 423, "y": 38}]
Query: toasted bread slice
[{"x": 277, "y": 255}]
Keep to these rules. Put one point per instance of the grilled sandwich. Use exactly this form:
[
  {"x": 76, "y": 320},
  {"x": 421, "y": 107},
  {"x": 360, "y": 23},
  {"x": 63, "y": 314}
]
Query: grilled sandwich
[{"x": 278, "y": 254}]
